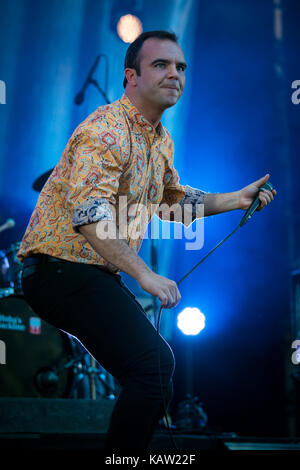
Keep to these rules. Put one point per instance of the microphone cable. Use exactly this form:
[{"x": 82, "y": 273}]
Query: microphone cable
[
  {"x": 158, "y": 326},
  {"x": 244, "y": 219}
]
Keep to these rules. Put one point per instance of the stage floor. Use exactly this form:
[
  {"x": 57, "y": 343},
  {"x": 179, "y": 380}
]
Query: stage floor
[{"x": 161, "y": 443}]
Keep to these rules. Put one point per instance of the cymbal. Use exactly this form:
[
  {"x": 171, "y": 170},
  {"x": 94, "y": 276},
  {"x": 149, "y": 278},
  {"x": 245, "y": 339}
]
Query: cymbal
[{"x": 39, "y": 183}]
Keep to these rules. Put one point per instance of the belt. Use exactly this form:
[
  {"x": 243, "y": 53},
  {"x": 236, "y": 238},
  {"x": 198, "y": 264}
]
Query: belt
[{"x": 41, "y": 258}]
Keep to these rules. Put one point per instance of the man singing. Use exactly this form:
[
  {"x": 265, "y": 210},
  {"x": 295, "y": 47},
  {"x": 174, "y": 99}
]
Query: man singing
[{"x": 70, "y": 278}]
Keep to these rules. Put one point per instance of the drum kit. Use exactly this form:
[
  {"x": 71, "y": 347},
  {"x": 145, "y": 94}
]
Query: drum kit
[{"x": 40, "y": 360}]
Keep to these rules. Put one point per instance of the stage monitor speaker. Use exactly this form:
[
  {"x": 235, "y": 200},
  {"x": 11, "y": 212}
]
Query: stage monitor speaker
[{"x": 54, "y": 415}]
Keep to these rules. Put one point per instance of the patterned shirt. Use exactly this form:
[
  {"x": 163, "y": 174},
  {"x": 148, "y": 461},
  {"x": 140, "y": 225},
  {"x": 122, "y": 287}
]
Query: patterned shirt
[{"x": 114, "y": 152}]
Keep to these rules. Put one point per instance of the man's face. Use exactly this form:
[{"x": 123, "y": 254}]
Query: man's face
[{"x": 162, "y": 73}]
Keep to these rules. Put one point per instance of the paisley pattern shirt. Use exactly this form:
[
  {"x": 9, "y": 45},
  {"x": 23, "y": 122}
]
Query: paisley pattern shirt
[{"x": 114, "y": 155}]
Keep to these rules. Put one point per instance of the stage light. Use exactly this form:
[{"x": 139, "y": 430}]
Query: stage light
[
  {"x": 191, "y": 321},
  {"x": 129, "y": 27}
]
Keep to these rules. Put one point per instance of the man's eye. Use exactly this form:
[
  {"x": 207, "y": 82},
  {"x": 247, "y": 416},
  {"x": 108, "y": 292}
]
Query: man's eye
[
  {"x": 181, "y": 68},
  {"x": 160, "y": 65}
]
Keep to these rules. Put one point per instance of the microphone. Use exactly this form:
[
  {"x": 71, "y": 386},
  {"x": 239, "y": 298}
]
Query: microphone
[
  {"x": 80, "y": 96},
  {"x": 255, "y": 204},
  {"x": 8, "y": 224}
]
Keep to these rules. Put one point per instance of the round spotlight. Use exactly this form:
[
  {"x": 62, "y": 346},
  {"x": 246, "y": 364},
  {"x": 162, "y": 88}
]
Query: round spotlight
[
  {"x": 129, "y": 27},
  {"x": 191, "y": 321}
]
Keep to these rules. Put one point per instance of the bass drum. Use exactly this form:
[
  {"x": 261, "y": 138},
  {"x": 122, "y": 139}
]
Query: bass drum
[
  {"x": 38, "y": 360},
  {"x": 36, "y": 354}
]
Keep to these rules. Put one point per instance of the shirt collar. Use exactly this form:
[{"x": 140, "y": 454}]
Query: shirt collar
[{"x": 138, "y": 120}]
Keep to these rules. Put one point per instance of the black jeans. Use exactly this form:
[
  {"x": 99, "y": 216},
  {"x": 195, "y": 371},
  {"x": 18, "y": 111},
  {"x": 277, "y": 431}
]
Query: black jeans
[{"x": 97, "y": 308}]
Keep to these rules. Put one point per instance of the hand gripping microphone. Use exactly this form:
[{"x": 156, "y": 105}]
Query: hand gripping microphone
[{"x": 255, "y": 204}]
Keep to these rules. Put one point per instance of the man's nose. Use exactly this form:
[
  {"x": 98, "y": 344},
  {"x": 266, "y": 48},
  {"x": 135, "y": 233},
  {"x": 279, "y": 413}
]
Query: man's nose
[{"x": 172, "y": 71}]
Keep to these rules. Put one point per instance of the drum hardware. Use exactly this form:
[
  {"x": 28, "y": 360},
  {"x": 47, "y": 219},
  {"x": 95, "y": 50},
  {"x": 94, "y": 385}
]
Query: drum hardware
[
  {"x": 92, "y": 379},
  {"x": 46, "y": 381},
  {"x": 89, "y": 374},
  {"x": 96, "y": 376},
  {"x": 10, "y": 271},
  {"x": 47, "y": 378},
  {"x": 107, "y": 382}
]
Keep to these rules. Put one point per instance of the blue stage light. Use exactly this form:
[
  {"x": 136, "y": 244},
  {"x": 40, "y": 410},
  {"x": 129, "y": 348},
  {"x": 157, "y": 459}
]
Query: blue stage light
[{"x": 191, "y": 321}]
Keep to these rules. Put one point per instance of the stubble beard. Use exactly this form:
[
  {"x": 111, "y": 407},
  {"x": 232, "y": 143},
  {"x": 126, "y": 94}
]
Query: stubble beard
[{"x": 165, "y": 102}]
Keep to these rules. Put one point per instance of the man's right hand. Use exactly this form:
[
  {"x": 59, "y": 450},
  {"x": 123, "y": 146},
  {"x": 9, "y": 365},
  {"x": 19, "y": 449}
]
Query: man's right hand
[
  {"x": 117, "y": 252},
  {"x": 165, "y": 289}
]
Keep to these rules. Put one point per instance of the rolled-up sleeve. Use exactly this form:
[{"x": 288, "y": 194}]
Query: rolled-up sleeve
[
  {"x": 174, "y": 192},
  {"x": 193, "y": 198},
  {"x": 94, "y": 180}
]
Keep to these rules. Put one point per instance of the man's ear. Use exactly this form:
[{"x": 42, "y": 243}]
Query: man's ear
[{"x": 131, "y": 76}]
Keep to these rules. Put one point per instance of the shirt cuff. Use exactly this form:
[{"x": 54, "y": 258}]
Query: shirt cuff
[
  {"x": 193, "y": 197},
  {"x": 91, "y": 211}
]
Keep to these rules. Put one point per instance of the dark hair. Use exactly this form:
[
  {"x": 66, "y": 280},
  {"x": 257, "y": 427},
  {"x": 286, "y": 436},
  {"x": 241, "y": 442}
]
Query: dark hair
[{"x": 132, "y": 55}]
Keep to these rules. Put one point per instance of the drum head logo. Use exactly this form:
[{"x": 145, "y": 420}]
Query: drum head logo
[{"x": 35, "y": 325}]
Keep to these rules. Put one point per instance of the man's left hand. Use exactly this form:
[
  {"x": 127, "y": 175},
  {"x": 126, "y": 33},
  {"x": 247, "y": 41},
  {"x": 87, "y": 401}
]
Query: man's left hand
[{"x": 250, "y": 192}]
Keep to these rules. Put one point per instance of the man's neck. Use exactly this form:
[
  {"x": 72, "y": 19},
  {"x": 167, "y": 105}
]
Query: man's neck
[{"x": 149, "y": 112}]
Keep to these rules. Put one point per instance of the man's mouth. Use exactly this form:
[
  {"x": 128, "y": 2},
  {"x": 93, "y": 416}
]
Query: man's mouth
[{"x": 171, "y": 87}]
